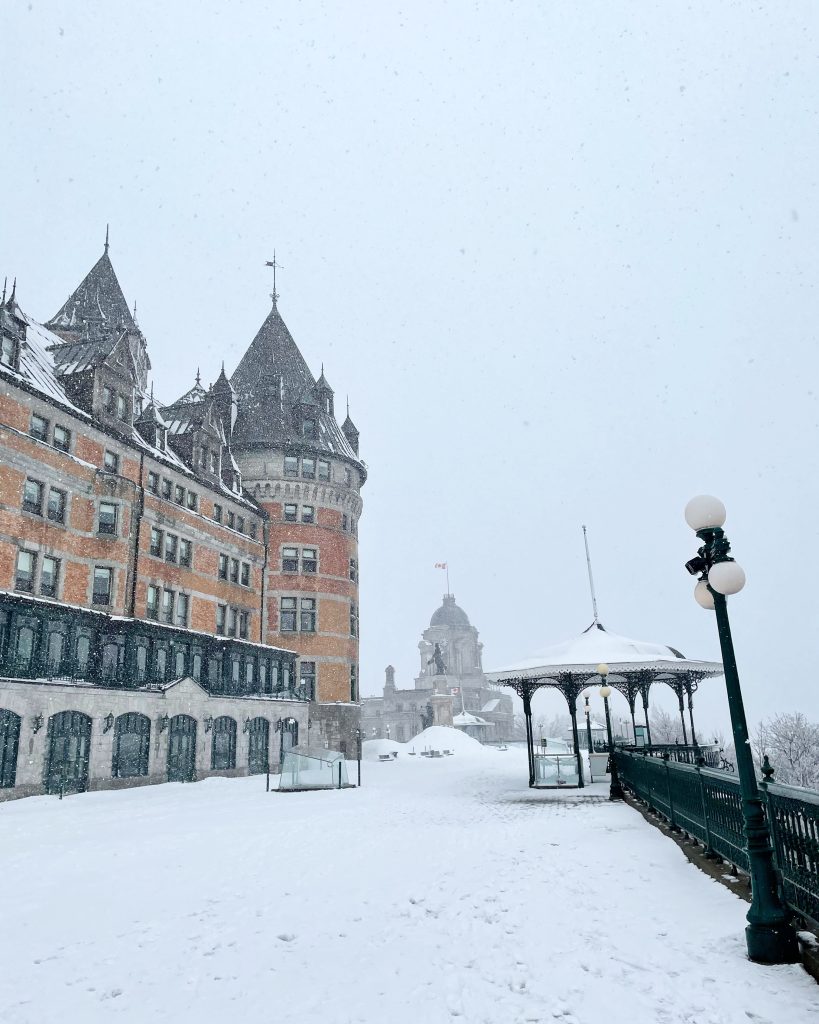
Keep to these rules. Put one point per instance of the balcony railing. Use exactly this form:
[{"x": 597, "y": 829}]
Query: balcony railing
[{"x": 707, "y": 805}]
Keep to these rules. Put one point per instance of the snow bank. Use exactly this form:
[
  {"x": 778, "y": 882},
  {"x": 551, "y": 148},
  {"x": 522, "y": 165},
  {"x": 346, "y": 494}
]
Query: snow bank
[
  {"x": 372, "y": 749},
  {"x": 442, "y": 737}
]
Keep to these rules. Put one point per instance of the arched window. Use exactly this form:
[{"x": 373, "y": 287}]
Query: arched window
[
  {"x": 179, "y": 663},
  {"x": 9, "y": 743},
  {"x": 160, "y": 664},
  {"x": 56, "y": 644},
  {"x": 24, "y": 651},
  {"x": 223, "y": 746},
  {"x": 258, "y": 754},
  {"x": 69, "y": 743},
  {"x": 131, "y": 743}
]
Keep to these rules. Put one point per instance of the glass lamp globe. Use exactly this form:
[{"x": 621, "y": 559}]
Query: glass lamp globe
[
  {"x": 703, "y": 596},
  {"x": 605, "y": 691},
  {"x": 704, "y": 511},
  {"x": 726, "y": 577},
  {"x": 602, "y": 669}
]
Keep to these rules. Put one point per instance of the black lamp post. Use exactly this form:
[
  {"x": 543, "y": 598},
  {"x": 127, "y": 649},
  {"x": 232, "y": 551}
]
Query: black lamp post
[
  {"x": 769, "y": 936},
  {"x": 587, "y": 710},
  {"x": 615, "y": 789}
]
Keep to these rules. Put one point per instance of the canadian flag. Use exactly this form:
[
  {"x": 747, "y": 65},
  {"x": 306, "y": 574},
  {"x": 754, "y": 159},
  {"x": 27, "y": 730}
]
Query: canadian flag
[
  {"x": 454, "y": 690},
  {"x": 440, "y": 565}
]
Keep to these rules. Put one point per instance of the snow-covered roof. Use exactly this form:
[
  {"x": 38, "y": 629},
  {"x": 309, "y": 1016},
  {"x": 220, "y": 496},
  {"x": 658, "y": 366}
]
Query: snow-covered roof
[
  {"x": 490, "y": 706},
  {"x": 465, "y": 718},
  {"x": 582, "y": 655}
]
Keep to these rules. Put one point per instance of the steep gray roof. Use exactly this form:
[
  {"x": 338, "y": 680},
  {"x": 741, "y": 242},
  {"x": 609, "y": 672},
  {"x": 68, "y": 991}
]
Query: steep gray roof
[
  {"x": 272, "y": 381},
  {"x": 449, "y": 614},
  {"x": 96, "y": 305}
]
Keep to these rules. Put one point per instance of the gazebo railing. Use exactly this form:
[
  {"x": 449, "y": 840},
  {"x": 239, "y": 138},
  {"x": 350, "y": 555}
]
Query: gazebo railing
[{"x": 707, "y": 805}]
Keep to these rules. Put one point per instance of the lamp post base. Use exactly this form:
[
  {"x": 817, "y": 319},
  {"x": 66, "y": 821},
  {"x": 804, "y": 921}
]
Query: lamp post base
[{"x": 772, "y": 944}]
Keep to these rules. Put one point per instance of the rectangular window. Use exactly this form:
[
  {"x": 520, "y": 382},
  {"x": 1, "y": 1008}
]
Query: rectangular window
[
  {"x": 230, "y": 520},
  {"x": 221, "y": 618},
  {"x": 33, "y": 497},
  {"x": 308, "y": 469},
  {"x": 193, "y": 501},
  {"x": 62, "y": 438},
  {"x": 110, "y": 462},
  {"x": 103, "y": 585},
  {"x": 152, "y": 604},
  {"x": 323, "y": 469},
  {"x": 38, "y": 427},
  {"x": 307, "y": 679},
  {"x": 253, "y": 529},
  {"x": 245, "y": 579},
  {"x": 233, "y": 616},
  {"x": 49, "y": 576},
  {"x": 354, "y": 570},
  {"x": 308, "y": 514},
  {"x": 348, "y": 477},
  {"x": 107, "y": 523},
  {"x": 156, "y": 542},
  {"x": 179, "y": 494},
  {"x": 308, "y": 615},
  {"x": 308, "y": 429},
  {"x": 107, "y": 398},
  {"x": 8, "y": 352},
  {"x": 217, "y": 513},
  {"x": 122, "y": 407},
  {"x": 153, "y": 482},
  {"x": 182, "y": 603},
  {"x": 240, "y": 524},
  {"x": 291, "y": 513},
  {"x": 214, "y": 462},
  {"x": 223, "y": 567},
  {"x": 244, "y": 621},
  {"x": 353, "y": 619},
  {"x": 291, "y": 465},
  {"x": 287, "y": 616},
  {"x": 354, "y": 682},
  {"x": 171, "y": 547},
  {"x": 345, "y": 522},
  {"x": 309, "y": 559},
  {"x": 185, "y": 553},
  {"x": 167, "y": 488},
  {"x": 26, "y": 565},
  {"x": 290, "y": 559},
  {"x": 234, "y": 570},
  {"x": 56, "y": 505},
  {"x": 168, "y": 597}
]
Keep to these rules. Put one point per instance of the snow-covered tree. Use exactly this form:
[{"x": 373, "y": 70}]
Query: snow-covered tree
[
  {"x": 791, "y": 742},
  {"x": 665, "y": 728}
]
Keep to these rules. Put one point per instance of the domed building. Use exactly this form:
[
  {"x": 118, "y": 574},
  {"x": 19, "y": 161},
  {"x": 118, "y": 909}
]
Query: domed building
[{"x": 450, "y": 689}]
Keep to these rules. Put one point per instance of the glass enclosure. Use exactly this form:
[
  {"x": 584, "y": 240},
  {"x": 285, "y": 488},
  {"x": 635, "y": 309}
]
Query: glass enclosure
[
  {"x": 312, "y": 768},
  {"x": 556, "y": 770}
]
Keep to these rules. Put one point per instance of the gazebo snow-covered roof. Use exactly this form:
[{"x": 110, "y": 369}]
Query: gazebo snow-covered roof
[{"x": 634, "y": 665}]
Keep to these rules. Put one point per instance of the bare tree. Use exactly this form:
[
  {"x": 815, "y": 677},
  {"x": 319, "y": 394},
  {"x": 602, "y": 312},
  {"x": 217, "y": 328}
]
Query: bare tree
[
  {"x": 792, "y": 745},
  {"x": 665, "y": 728}
]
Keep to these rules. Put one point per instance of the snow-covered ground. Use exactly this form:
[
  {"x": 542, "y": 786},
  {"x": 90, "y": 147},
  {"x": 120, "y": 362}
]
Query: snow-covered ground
[{"x": 443, "y": 890}]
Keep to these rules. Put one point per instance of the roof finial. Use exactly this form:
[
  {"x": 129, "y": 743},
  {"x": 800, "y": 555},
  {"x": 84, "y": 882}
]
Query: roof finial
[
  {"x": 591, "y": 578},
  {"x": 13, "y": 291},
  {"x": 106, "y": 240},
  {"x": 198, "y": 378},
  {"x": 5, "y": 282},
  {"x": 152, "y": 392},
  {"x": 276, "y": 266}
]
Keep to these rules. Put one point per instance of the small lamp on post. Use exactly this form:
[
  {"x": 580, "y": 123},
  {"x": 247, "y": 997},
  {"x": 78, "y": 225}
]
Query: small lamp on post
[
  {"x": 615, "y": 789},
  {"x": 769, "y": 935},
  {"x": 587, "y": 711}
]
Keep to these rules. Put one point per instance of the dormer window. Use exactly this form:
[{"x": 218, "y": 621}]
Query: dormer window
[
  {"x": 108, "y": 399},
  {"x": 8, "y": 352},
  {"x": 122, "y": 407},
  {"x": 161, "y": 438},
  {"x": 308, "y": 429}
]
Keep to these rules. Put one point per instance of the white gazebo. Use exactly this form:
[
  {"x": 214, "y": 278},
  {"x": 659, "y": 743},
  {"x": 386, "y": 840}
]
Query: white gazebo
[{"x": 634, "y": 666}]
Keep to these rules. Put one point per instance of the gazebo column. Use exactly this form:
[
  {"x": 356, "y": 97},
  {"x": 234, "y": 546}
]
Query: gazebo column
[
  {"x": 644, "y": 688},
  {"x": 679, "y": 689},
  {"x": 689, "y": 689},
  {"x": 526, "y": 697},
  {"x": 570, "y": 691}
]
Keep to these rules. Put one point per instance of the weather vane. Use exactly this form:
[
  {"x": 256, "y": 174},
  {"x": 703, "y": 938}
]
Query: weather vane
[{"x": 276, "y": 266}]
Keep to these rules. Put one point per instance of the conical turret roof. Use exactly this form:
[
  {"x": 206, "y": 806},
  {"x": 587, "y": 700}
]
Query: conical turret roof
[{"x": 97, "y": 302}]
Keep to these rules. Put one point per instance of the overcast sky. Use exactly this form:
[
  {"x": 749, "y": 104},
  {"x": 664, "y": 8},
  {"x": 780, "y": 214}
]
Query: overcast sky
[{"x": 563, "y": 257}]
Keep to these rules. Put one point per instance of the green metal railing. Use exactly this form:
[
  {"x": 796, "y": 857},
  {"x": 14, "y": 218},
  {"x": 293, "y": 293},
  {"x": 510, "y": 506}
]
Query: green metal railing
[{"x": 707, "y": 805}]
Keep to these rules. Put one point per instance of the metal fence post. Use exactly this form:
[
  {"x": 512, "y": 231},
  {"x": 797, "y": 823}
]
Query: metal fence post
[{"x": 674, "y": 826}]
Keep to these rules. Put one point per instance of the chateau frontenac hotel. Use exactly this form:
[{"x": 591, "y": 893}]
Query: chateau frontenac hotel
[{"x": 178, "y": 583}]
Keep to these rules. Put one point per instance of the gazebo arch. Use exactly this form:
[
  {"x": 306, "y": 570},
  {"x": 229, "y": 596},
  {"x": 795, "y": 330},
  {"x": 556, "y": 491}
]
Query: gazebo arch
[{"x": 634, "y": 667}]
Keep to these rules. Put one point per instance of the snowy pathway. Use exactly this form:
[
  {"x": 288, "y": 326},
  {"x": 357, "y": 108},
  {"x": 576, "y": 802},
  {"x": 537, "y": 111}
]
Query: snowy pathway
[{"x": 444, "y": 890}]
